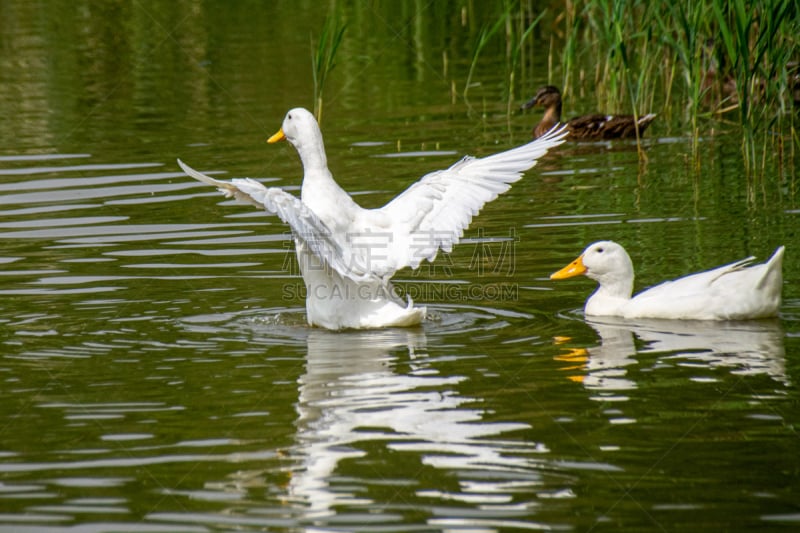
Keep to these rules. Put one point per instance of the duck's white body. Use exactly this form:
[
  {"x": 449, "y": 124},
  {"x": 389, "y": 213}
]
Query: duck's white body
[
  {"x": 335, "y": 301},
  {"x": 738, "y": 291},
  {"x": 348, "y": 254}
]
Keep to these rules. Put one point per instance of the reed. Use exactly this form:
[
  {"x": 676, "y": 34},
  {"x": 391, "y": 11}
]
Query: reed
[
  {"x": 681, "y": 26},
  {"x": 483, "y": 38},
  {"x": 694, "y": 62},
  {"x": 726, "y": 56},
  {"x": 569, "y": 57},
  {"x": 323, "y": 57},
  {"x": 517, "y": 34},
  {"x": 754, "y": 46},
  {"x": 623, "y": 50}
]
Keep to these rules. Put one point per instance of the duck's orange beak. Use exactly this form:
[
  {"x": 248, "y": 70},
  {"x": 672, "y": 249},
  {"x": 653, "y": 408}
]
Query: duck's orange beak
[
  {"x": 576, "y": 268},
  {"x": 277, "y": 137}
]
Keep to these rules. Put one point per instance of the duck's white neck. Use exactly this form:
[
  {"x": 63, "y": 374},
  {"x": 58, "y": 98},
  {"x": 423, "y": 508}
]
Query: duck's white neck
[
  {"x": 319, "y": 191},
  {"x": 319, "y": 188},
  {"x": 613, "y": 293},
  {"x": 312, "y": 152}
]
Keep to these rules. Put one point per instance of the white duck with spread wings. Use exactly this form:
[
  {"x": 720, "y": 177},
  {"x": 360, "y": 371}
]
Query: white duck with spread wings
[{"x": 348, "y": 254}]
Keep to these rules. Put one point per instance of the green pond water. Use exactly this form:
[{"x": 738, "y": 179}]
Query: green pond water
[{"x": 157, "y": 373}]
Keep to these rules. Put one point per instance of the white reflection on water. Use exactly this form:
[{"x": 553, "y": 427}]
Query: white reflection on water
[
  {"x": 746, "y": 348},
  {"x": 351, "y": 394},
  {"x": 603, "y": 367}
]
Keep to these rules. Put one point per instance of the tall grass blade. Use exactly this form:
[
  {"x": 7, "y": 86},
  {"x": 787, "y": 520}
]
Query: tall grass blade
[
  {"x": 484, "y": 36},
  {"x": 323, "y": 58}
]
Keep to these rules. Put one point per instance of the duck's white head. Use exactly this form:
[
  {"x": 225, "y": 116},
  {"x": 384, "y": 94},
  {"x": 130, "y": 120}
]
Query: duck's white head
[
  {"x": 300, "y": 128},
  {"x": 606, "y": 262}
]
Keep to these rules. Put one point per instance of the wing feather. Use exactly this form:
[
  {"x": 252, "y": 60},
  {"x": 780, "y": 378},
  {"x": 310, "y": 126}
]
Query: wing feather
[
  {"x": 437, "y": 209},
  {"x": 305, "y": 225},
  {"x": 429, "y": 216}
]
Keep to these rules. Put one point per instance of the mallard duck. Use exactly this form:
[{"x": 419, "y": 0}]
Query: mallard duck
[
  {"x": 588, "y": 127},
  {"x": 348, "y": 254},
  {"x": 738, "y": 291}
]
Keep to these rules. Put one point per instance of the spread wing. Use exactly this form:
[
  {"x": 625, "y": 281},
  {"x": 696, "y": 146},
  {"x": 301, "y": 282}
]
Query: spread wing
[
  {"x": 434, "y": 212},
  {"x": 305, "y": 225},
  {"x": 428, "y": 216}
]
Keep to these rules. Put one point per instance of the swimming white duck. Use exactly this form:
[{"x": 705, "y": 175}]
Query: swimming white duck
[
  {"x": 738, "y": 291},
  {"x": 348, "y": 254}
]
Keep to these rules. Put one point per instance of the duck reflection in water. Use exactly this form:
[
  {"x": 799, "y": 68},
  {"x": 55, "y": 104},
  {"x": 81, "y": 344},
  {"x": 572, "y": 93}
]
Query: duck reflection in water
[
  {"x": 354, "y": 397},
  {"x": 746, "y": 348}
]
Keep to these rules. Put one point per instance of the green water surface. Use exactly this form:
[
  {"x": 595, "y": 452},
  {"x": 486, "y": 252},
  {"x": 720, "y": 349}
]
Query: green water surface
[{"x": 156, "y": 371}]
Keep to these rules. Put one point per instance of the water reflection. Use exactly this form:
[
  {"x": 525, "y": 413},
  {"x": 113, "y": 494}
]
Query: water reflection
[
  {"x": 745, "y": 348},
  {"x": 603, "y": 367},
  {"x": 354, "y": 395}
]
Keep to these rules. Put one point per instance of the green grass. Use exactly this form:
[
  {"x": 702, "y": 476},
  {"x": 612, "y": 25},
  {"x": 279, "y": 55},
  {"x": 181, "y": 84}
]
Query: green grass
[
  {"x": 701, "y": 65},
  {"x": 487, "y": 32},
  {"x": 323, "y": 58},
  {"x": 518, "y": 32}
]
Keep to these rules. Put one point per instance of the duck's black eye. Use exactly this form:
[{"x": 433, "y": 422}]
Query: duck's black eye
[
  {"x": 289, "y": 116},
  {"x": 600, "y": 250}
]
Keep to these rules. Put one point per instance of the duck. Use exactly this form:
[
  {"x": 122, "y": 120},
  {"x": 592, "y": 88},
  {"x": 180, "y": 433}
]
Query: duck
[
  {"x": 737, "y": 291},
  {"x": 587, "y": 127},
  {"x": 347, "y": 254}
]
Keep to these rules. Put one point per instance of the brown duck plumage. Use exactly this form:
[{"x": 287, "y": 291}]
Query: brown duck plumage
[{"x": 590, "y": 127}]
